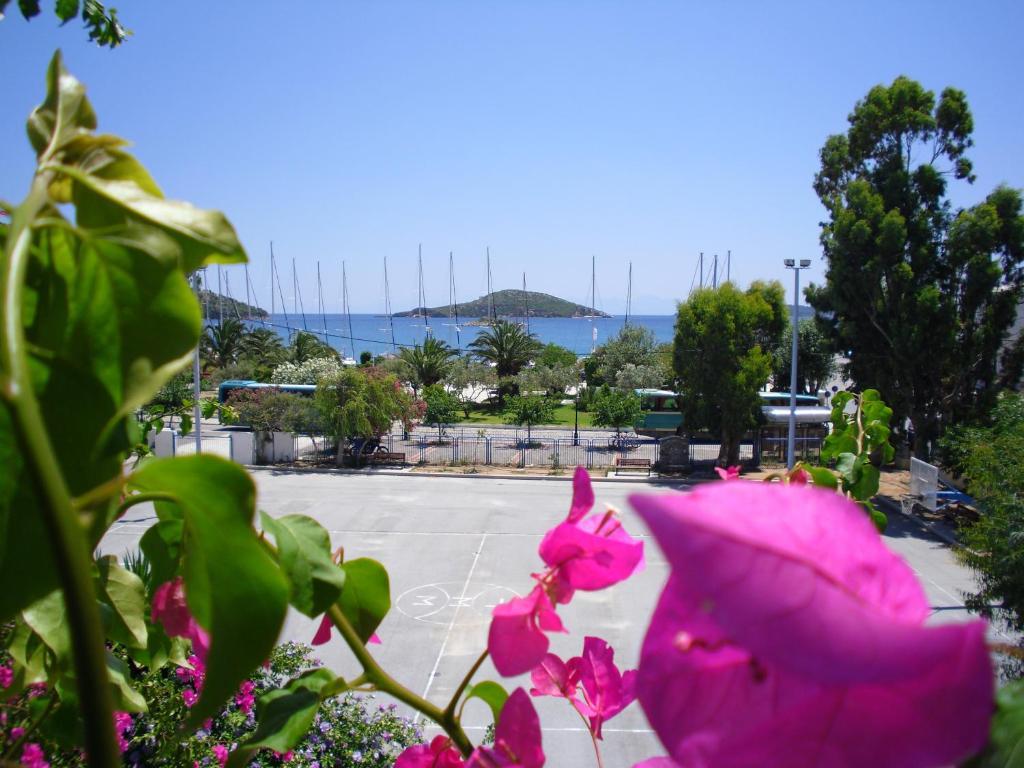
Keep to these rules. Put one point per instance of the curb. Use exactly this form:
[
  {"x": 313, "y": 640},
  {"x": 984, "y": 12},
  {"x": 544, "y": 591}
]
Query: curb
[
  {"x": 891, "y": 506},
  {"x": 653, "y": 480}
]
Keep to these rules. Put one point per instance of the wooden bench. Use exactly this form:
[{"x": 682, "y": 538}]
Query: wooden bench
[
  {"x": 623, "y": 464},
  {"x": 386, "y": 458}
]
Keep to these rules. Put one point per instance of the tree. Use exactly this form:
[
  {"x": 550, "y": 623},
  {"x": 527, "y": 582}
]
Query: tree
[
  {"x": 921, "y": 299},
  {"x": 428, "y": 363},
  {"x": 306, "y": 346},
  {"x": 991, "y": 458},
  {"x": 528, "y": 410},
  {"x": 632, "y": 377},
  {"x": 553, "y": 355},
  {"x": 552, "y": 380},
  {"x": 442, "y": 407},
  {"x": 264, "y": 346},
  {"x": 633, "y": 345},
  {"x": 365, "y": 358},
  {"x": 615, "y": 408},
  {"x": 509, "y": 348},
  {"x": 222, "y": 343},
  {"x": 362, "y": 403},
  {"x": 104, "y": 27},
  {"x": 814, "y": 358},
  {"x": 722, "y": 358},
  {"x": 470, "y": 381}
]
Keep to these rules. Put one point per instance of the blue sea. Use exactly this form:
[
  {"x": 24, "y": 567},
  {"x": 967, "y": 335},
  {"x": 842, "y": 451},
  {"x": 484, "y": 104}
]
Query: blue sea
[{"x": 372, "y": 333}]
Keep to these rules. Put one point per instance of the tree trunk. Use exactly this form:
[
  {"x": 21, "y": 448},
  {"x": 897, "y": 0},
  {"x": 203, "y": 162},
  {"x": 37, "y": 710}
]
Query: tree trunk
[{"x": 339, "y": 460}]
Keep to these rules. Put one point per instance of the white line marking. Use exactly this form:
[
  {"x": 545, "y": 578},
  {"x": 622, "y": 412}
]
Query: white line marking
[{"x": 451, "y": 624}]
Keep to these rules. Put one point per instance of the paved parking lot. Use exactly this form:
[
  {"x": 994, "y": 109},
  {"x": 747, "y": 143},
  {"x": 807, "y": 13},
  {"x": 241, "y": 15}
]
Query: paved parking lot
[{"x": 456, "y": 546}]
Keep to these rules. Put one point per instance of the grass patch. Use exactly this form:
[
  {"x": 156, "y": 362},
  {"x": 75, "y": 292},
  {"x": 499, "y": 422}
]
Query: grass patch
[{"x": 487, "y": 414}]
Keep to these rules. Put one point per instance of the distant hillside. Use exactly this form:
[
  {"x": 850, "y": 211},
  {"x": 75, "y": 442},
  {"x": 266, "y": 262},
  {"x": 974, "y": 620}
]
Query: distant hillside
[
  {"x": 510, "y": 303},
  {"x": 213, "y": 301}
]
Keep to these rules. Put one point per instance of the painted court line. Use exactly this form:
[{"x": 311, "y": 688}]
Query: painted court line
[{"x": 451, "y": 624}]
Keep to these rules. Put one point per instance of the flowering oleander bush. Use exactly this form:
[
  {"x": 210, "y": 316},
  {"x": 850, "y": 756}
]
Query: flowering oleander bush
[
  {"x": 308, "y": 372},
  {"x": 346, "y": 730}
]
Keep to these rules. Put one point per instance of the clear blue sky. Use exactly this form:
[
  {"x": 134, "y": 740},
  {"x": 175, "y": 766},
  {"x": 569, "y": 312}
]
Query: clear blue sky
[{"x": 548, "y": 130}]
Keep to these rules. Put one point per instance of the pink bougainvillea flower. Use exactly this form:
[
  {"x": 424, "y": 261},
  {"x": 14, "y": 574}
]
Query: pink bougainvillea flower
[
  {"x": 554, "y": 677},
  {"x": 440, "y": 753},
  {"x": 789, "y": 635},
  {"x": 171, "y": 610},
  {"x": 221, "y": 753},
  {"x": 6, "y": 677},
  {"x": 658, "y": 762},
  {"x": 517, "y": 737},
  {"x": 799, "y": 476},
  {"x": 122, "y": 723},
  {"x": 323, "y": 633},
  {"x": 587, "y": 553},
  {"x": 32, "y": 756},
  {"x": 516, "y": 640},
  {"x": 605, "y": 690},
  {"x": 245, "y": 700},
  {"x": 582, "y": 496},
  {"x": 728, "y": 473}
]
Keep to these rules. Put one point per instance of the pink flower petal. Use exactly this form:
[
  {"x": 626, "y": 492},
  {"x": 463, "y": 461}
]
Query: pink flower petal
[
  {"x": 591, "y": 555},
  {"x": 440, "y": 753},
  {"x": 728, "y": 473},
  {"x": 582, "y": 495},
  {"x": 788, "y": 635},
  {"x": 517, "y": 738},
  {"x": 608, "y": 691},
  {"x": 516, "y": 640},
  {"x": 553, "y": 677},
  {"x": 323, "y": 632}
]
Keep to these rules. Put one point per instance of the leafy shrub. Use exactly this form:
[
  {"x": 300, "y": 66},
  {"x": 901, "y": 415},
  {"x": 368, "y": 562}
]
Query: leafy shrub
[
  {"x": 347, "y": 730},
  {"x": 615, "y": 408},
  {"x": 307, "y": 372},
  {"x": 991, "y": 458},
  {"x": 245, "y": 369},
  {"x": 270, "y": 410}
]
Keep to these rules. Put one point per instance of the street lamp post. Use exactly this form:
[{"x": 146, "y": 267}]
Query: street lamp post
[
  {"x": 576, "y": 426},
  {"x": 791, "y": 440}
]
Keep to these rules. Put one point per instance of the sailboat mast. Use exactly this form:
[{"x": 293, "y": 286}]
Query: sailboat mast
[
  {"x": 272, "y": 271},
  {"x": 453, "y": 300},
  {"x": 629, "y": 293},
  {"x": 280, "y": 292},
  {"x": 526, "y": 305},
  {"x": 702, "y": 269},
  {"x": 491, "y": 315},
  {"x": 387, "y": 305},
  {"x": 423, "y": 295},
  {"x": 728, "y": 266},
  {"x": 347, "y": 309},
  {"x": 714, "y": 281},
  {"x": 298, "y": 296},
  {"x": 320, "y": 300}
]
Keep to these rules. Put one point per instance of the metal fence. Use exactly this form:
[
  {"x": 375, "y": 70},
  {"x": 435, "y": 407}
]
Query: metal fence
[
  {"x": 463, "y": 448},
  {"x": 218, "y": 445}
]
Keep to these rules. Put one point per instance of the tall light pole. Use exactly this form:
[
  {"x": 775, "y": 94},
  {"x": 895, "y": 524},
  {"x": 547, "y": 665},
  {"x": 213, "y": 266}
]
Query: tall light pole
[{"x": 791, "y": 441}]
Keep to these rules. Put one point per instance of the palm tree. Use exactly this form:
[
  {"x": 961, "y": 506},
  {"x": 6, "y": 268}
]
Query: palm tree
[
  {"x": 306, "y": 346},
  {"x": 264, "y": 346},
  {"x": 221, "y": 343},
  {"x": 509, "y": 348},
  {"x": 430, "y": 363}
]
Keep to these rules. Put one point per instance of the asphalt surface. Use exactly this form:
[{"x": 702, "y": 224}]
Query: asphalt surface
[{"x": 456, "y": 546}]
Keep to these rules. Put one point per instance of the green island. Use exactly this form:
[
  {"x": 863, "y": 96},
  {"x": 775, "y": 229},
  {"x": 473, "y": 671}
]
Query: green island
[{"x": 510, "y": 302}]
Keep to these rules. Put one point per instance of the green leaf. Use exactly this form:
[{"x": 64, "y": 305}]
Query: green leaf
[
  {"x": 491, "y": 693},
  {"x": 866, "y": 477},
  {"x": 846, "y": 466},
  {"x": 161, "y": 543},
  {"x": 126, "y": 698},
  {"x": 1006, "y": 739},
  {"x": 285, "y": 715},
  {"x": 878, "y": 517},
  {"x": 48, "y": 619},
  {"x": 29, "y": 653},
  {"x": 870, "y": 395},
  {"x": 822, "y": 476},
  {"x": 838, "y": 443},
  {"x": 114, "y": 197},
  {"x": 65, "y": 114},
  {"x": 124, "y": 594},
  {"x": 366, "y": 598},
  {"x": 234, "y": 588},
  {"x": 304, "y": 552}
]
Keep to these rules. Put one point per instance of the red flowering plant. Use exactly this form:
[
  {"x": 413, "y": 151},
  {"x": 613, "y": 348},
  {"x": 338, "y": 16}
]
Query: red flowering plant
[{"x": 787, "y": 634}]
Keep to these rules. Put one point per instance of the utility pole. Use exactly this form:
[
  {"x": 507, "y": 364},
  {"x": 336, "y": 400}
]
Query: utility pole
[
  {"x": 197, "y": 410},
  {"x": 791, "y": 439}
]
